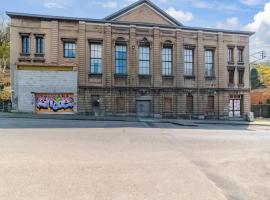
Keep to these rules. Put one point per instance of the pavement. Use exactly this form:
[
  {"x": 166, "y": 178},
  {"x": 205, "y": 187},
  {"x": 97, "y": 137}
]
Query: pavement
[
  {"x": 53, "y": 159},
  {"x": 183, "y": 122}
]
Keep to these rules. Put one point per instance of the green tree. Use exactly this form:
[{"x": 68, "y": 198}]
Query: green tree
[
  {"x": 255, "y": 81},
  {"x": 264, "y": 75},
  {"x": 4, "y": 44}
]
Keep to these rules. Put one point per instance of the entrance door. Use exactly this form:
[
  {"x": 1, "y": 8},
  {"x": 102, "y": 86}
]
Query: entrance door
[
  {"x": 143, "y": 108},
  {"x": 235, "y": 108}
]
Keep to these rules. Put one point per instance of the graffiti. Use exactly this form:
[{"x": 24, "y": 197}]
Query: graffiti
[{"x": 55, "y": 102}]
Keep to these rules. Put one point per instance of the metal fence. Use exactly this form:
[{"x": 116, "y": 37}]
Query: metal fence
[
  {"x": 5, "y": 106},
  {"x": 261, "y": 110}
]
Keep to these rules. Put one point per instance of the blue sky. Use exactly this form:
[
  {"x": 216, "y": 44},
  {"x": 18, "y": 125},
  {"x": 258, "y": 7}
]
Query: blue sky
[{"x": 227, "y": 14}]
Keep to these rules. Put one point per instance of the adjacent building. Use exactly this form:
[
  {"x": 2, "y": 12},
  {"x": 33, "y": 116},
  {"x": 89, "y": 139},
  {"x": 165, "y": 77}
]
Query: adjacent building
[{"x": 138, "y": 61}]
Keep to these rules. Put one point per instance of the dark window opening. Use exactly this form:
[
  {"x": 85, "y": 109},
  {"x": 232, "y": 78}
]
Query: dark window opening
[
  {"x": 231, "y": 76},
  {"x": 25, "y": 44},
  {"x": 39, "y": 45},
  {"x": 230, "y": 55},
  {"x": 241, "y": 76}
]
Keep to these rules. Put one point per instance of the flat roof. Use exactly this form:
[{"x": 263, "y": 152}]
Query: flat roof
[{"x": 63, "y": 18}]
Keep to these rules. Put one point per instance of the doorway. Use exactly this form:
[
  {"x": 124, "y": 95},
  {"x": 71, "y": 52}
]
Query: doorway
[{"x": 143, "y": 108}]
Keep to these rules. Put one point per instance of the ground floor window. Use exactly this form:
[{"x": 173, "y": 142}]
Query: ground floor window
[
  {"x": 120, "y": 104},
  {"x": 235, "y": 107},
  {"x": 168, "y": 104}
]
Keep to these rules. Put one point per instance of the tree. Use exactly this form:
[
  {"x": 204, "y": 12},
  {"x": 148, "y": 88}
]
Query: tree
[
  {"x": 4, "y": 43},
  {"x": 264, "y": 75},
  {"x": 255, "y": 81}
]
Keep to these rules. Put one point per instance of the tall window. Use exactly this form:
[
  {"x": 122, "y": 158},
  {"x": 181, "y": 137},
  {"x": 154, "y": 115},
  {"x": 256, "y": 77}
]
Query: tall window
[
  {"x": 69, "y": 49},
  {"x": 95, "y": 58},
  {"x": 211, "y": 103},
  {"x": 231, "y": 76},
  {"x": 25, "y": 44},
  {"x": 230, "y": 55},
  {"x": 188, "y": 61},
  {"x": 189, "y": 104},
  {"x": 209, "y": 62},
  {"x": 121, "y": 59},
  {"x": 241, "y": 76},
  {"x": 240, "y": 55},
  {"x": 144, "y": 60},
  {"x": 167, "y": 61},
  {"x": 39, "y": 45}
]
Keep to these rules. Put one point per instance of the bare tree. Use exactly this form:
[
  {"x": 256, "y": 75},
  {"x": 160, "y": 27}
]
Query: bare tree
[{"x": 4, "y": 43}]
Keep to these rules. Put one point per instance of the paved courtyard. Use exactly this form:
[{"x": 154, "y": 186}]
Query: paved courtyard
[{"x": 86, "y": 160}]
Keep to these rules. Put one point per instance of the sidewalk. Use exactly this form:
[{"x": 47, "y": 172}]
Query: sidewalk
[{"x": 181, "y": 122}]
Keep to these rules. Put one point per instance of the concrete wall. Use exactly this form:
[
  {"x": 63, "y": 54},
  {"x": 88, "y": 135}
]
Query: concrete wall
[{"x": 31, "y": 82}]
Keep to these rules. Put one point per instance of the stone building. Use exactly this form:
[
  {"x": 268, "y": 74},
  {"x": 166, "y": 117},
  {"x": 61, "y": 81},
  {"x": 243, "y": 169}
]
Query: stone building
[{"x": 137, "y": 61}]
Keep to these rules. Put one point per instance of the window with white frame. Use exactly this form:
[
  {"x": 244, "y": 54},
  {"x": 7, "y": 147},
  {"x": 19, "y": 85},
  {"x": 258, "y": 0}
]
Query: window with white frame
[
  {"x": 188, "y": 61},
  {"x": 209, "y": 62},
  {"x": 121, "y": 59},
  {"x": 69, "y": 49},
  {"x": 95, "y": 58},
  {"x": 167, "y": 61},
  {"x": 144, "y": 59}
]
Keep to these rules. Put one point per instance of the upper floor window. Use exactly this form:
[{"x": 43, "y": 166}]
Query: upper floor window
[
  {"x": 39, "y": 44},
  {"x": 230, "y": 55},
  {"x": 188, "y": 61},
  {"x": 241, "y": 76},
  {"x": 240, "y": 55},
  {"x": 144, "y": 59},
  {"x": 209, "y": 62},
  {"x": 231, "y": 75},
  {"x": 121, "y": 59},
  {"x": 69, "y": 49},
  {"x": 96, "y": 58},
  {"x": 25, "y": 44},
  {"x": 167, "y": 61}
]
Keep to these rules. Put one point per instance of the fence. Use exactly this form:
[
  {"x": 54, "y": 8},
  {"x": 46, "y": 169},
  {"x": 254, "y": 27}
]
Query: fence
[
  {"x": 5, "y": 106},
  {"x": 261, "y": 110}
]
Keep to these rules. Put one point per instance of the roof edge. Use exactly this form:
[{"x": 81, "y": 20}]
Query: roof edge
[
  {"x": 50, "y": 17},
  {"x": 138, "y": 3}
]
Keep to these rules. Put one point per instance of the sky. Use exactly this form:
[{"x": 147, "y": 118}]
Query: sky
[{"x": 251, "y": 15}]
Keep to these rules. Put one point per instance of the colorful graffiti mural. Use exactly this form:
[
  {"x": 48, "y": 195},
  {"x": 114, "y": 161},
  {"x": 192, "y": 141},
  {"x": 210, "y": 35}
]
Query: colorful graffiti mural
[{"x": 55, "y": 103}]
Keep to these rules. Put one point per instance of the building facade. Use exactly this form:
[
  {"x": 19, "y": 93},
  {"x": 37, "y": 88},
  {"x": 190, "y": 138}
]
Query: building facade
[{"x": 138, "y": 61}]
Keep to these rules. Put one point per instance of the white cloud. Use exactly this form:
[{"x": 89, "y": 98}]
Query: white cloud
[
  {"x": 110, "y": 4},
  {"x": 180, "y": 15},
  {"x": 56, "y": 3},
  {"x": 230, "y": 23},
  {"x": 260, "y": 25}
]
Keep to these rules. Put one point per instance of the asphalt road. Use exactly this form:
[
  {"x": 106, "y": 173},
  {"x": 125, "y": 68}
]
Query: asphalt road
[{"x": 85, "y": 160}]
